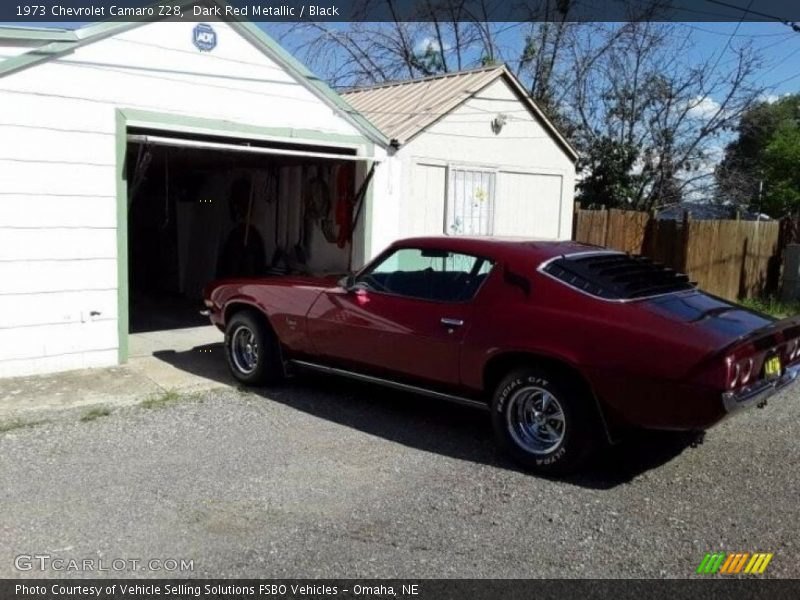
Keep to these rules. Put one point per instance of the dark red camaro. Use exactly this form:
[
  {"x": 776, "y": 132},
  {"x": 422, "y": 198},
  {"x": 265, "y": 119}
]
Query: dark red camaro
[{"x": 565, "y": 343}]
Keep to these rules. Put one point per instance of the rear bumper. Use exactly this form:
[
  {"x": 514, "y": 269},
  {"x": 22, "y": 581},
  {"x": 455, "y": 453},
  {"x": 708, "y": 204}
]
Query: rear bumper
[{"x": 760, "y": 392}]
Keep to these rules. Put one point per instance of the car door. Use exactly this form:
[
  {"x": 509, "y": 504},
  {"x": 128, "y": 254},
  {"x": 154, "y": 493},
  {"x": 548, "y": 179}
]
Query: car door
[{"x": 404, "y": 316}]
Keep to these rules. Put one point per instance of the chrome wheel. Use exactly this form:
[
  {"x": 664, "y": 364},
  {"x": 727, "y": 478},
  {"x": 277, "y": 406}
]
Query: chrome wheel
[
  {"x": 535, "y": 420},
  {"x": 244, "y": 349}
]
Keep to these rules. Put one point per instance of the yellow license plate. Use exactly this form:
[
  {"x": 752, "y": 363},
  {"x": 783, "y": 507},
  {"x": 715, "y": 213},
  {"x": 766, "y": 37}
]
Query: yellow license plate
[{"x": 772, "y": 367}]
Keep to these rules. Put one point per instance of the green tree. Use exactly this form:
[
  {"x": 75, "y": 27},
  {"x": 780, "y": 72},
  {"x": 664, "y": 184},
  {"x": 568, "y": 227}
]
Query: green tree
[
  {"x": 782, "y": 169},
  {"x": 610, "y": 180},
  {"x": 761, "y": 167}
]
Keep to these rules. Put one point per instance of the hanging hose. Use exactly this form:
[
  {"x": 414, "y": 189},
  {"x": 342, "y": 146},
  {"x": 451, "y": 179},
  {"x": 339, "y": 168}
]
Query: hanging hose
[{"x": 143, "y": 158}]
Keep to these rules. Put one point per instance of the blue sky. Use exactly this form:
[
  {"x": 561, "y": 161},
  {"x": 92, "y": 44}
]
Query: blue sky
[{"x": 780, "y": 46}]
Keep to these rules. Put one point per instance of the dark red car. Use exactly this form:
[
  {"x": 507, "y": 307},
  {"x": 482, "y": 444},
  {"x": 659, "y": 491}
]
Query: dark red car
[{"x": 566, "y": 344}]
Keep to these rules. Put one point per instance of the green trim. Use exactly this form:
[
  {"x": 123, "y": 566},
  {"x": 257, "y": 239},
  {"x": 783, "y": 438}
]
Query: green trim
[
  {"x": 172, "y": 120},
  {"x": 248, "y": 30},
  {"x": 36, "y": 56},
  {"x": 279, "y": 54},
  {"x": 122, "y": 237},
  {"x": 37, "y": 34},
  {"x": 97, "y": 31}
]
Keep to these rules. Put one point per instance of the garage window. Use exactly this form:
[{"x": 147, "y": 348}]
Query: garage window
[{"x": 470, "y": 202}]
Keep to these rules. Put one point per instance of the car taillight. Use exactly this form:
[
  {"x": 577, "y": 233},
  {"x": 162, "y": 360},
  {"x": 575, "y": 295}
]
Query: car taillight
[
  {"x": 740, "y": 371},
  {"x": 746, "y": 370},
  {"x": 793, "y": 349}
]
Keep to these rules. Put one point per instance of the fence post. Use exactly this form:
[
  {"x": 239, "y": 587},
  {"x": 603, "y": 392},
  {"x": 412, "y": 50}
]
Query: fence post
[
  {"x": 576, "y": 214},
  {"x": 686, "y": 241}
]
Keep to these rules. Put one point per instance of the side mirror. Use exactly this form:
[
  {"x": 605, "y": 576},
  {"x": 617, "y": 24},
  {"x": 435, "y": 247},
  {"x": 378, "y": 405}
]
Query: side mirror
[{"x": 348, "y": 282}]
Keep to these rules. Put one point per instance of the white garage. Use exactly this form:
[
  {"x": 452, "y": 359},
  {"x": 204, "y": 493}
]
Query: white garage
[
  {"x": 136, "y": 156},
  {"x": 473, "y": 156}
]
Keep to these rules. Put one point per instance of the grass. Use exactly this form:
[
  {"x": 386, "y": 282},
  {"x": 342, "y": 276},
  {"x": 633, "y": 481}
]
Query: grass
[
  {"x": 165, "y": 399},
  {"x": 772, "y": 306},
  {"x": 94, "y": 413},
  {"x": 18, "y": 424}
]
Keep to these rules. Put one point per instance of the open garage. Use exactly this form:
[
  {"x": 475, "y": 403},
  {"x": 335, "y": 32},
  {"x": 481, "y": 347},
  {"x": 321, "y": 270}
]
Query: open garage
[
  {"x": 141, "y": 161},
  {"x": 202, "y": 208}
]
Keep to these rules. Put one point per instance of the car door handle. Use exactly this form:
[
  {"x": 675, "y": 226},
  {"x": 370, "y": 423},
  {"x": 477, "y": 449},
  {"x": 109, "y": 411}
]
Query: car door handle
[{"x": 447, "y": 322}]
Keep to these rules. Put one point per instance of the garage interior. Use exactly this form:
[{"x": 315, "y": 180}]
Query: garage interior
[{"x": 202, "y": 208}]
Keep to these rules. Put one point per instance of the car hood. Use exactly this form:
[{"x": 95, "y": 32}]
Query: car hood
[{"x": 299, "y": 281}]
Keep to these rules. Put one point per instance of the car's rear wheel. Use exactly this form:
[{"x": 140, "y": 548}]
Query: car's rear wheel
[
  {"x": 252, "y": 350},
  {"x": 544, "y": 422}
]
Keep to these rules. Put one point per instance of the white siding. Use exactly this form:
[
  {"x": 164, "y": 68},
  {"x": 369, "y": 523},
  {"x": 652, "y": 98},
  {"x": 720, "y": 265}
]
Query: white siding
[
  {"x": 9, "y": 49},
  {"x": 51, "y": 340},
  {"x": 49, "y": 212},
  {"x": 58, "y": 181},
  {"x": 529, "y": 205},
  {"x": 57, "y": 244},
  {"x": 59, "y": 362},
  {"x": 427, "y": 202},
  {"x": 24, "y": 310},
  {"x": 44, "y": 276},
  {"x": 535, "y": 177},
  {"x": 40, "y": 144}
]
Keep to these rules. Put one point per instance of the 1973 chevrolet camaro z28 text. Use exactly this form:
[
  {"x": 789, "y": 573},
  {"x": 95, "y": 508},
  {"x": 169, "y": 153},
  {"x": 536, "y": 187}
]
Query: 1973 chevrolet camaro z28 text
[{"x": 566, "y": 344}]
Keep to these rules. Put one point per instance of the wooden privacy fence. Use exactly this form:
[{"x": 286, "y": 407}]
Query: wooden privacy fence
[{"x": 732, "y": 259}]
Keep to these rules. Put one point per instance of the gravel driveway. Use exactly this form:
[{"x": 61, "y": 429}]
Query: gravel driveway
[{"x": 323, "y": 478}]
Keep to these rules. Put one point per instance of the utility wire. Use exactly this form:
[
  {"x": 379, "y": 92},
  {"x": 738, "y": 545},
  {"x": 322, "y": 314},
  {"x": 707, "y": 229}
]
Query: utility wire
[
  {"x": 747, "y": 11},
  {"x": 730, "y": 38},
  {"x": 788, "y": 79},
  {"x": 749, "y": 35}
]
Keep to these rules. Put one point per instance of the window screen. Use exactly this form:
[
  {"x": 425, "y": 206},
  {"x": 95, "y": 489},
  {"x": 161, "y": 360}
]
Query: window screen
[{"x": 470, "y": 202}]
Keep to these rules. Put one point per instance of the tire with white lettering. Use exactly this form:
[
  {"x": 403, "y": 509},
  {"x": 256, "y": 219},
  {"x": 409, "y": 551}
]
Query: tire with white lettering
[
  {"x": 544, "y": 422},
  {"x": 252, "y": 350}
]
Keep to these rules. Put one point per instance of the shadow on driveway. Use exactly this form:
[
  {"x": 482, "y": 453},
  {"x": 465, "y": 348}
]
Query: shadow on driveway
[{"x": 427, "y": 424}]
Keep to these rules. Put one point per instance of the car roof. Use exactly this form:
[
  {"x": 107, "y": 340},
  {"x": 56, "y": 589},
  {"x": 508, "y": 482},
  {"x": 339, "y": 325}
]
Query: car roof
[{"x": 499, "y": 248}]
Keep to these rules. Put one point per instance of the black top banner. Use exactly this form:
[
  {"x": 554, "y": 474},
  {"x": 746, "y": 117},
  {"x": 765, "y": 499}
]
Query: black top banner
[
  {"x": 49, "y": 11},
  {"x": 408, "y": 589}
]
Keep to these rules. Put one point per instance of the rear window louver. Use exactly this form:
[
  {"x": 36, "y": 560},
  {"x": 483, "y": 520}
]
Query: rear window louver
[{"x": 617, "y": 276}]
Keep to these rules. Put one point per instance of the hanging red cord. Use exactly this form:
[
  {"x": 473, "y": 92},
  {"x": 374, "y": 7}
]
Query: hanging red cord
[{"x": 344, "y": 202}]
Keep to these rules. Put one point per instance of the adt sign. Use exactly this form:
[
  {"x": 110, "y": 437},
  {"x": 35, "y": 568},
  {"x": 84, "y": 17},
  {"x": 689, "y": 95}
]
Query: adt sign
[{"x": 204, "y": 37}]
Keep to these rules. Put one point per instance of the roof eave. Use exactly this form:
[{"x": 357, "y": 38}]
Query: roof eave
[
  {"x": 65, "y": 41},
  {"x": 36, "y": 34},
  {"x": 308, "y": 79},
  {"x": 554, "y": 131}
]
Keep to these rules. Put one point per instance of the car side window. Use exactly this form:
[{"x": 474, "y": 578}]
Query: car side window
[{"x": 428, "y": 274}]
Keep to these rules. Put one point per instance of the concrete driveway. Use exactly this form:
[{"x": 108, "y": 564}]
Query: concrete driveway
[{"x": 324, "y": 478}]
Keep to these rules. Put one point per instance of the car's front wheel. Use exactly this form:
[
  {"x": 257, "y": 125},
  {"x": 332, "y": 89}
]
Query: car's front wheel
[
  {"x": 544, "y": 422},
  {"x": 252, "y": 350}
]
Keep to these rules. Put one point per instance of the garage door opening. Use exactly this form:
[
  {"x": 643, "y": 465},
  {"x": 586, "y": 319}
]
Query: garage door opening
[{"x": 204, "y": 208}]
